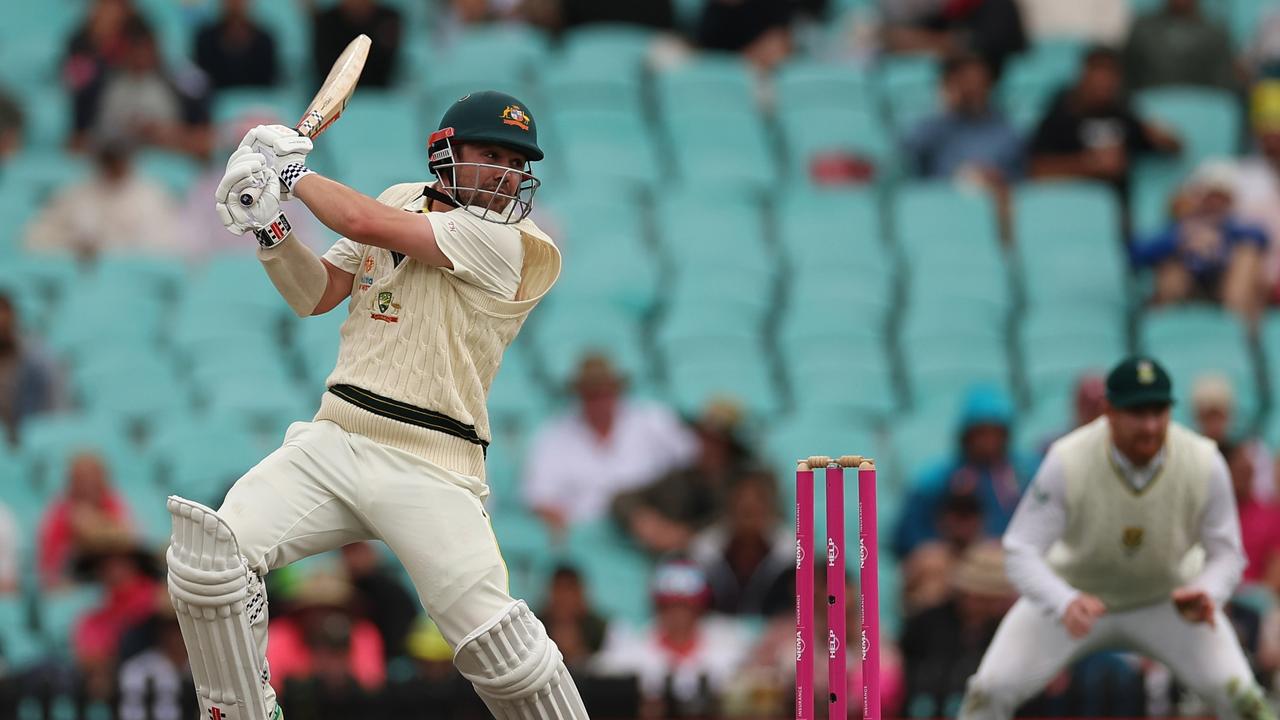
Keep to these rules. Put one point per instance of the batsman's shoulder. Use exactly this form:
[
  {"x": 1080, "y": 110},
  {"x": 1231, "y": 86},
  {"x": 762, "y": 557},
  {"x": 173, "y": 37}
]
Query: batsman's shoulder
[{"x": 401, "y": 194}]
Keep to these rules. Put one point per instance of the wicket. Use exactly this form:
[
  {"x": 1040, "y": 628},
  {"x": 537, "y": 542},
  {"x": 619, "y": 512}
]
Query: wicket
[{"x": 869, "y": 586}]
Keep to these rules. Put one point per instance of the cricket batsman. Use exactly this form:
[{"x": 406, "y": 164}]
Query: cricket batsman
[
  {"x": 437, "y": 279},
  {"x": 1101, "y": 550}
]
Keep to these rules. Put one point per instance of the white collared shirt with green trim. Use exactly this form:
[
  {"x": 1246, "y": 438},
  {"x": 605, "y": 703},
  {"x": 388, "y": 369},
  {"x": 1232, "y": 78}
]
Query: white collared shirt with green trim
[{"x": 1093, "y": 522}]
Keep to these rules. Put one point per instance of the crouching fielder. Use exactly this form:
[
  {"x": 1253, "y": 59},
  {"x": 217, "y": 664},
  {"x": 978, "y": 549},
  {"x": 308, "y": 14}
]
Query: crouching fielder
[
  {"x": 438, "y": 278},
  {"x": 1101, "y": 550}
]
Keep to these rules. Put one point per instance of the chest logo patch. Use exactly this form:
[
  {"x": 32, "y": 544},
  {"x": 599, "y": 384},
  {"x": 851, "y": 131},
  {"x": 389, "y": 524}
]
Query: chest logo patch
[
  {"x": 385, "y": 308},
  {"x": 1131, "y": 539}
]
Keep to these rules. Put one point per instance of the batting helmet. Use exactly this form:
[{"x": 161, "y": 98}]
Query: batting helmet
[{"x": 486, "y": 117}]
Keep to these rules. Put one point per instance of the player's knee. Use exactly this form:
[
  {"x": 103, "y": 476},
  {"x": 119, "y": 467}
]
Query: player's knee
[{"x": 991, "y": 696}]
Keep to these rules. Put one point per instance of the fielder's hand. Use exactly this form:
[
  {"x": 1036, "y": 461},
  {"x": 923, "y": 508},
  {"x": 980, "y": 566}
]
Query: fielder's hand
[
  {"x": 1194, "y": 605},
  {"x": 247, "y": 169},
  {"x": 1082, "y": 613},
  {"x": 280, "y": 146}
]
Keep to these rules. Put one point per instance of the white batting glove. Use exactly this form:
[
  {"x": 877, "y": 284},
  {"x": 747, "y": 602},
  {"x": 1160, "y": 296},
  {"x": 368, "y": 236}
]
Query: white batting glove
[
  {"x": 247, "y": 170},
  {"x": 280, "y": 145}
]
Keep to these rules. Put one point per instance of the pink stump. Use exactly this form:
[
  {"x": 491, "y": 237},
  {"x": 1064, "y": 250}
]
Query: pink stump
[
  {"x": 870, "y": 592},
  {"x": 837, "y": 679},
  {"x": 804, "y": 595}
]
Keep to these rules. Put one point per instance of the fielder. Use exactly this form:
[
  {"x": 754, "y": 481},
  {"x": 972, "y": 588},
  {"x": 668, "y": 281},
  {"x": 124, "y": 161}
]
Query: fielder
[
  {"x": 438, "y": 278},
  {"x": 1103, "y": 549}
]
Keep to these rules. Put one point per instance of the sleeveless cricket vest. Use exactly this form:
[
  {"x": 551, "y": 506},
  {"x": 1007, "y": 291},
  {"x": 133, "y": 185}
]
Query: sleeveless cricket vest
[
  {"x": 1130, "y": 547},
  {"x": 420, "y": 348}
]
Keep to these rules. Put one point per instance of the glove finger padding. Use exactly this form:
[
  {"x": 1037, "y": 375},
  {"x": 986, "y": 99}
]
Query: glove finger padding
[{"x": 280, "y": 146}]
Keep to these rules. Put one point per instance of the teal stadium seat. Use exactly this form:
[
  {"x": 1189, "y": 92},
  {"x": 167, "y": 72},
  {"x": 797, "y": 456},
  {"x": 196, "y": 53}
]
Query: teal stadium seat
[
  {"x": 624, "y": 48},
  {"x": 58, "y": 612},
  {"x": 517, "y": 399},
  {"x": 721, "y": 149},
  {"x": 562, "y": 334},
  {"x": 260, "y": 105},
  {"x": 806, "y": 134},
  {"x": 601, "y": 146},
  {"x": 735, "y": 369},
  {"x": 1069, "y": 247},
  {"x": 20, "y": 645},
  {"x": 198, "y": 457},
  {"x": 939, "y": 224},
  {"x": 315, "y": 341},
  {"x": 48, "y": 443},
  {"x": 1058, "y": 343},
  {"x": 839, "y": 233},
  {"x": 1030, "y": 80},
  {"x": 851, "y": 377},
  {"x": 134, "y": 385},
  {"x": 940, "y": 368},
  {"x": 380, "y": 141},
  {"x": 527, "y": 550},
  {"x": 609, "y": 262},
  {"x": 1207, "y": 121},
  {"x": 721, "y": 84},
  {"x": 32, "y": 41},
  {"x": 107, "y": 311},
  {"x": 909, "y": 87},
  {"x": 47, "y": 111},
  {"x": 578, "y": 85},
  {"x": 1196, "y": 340},
  {"x": 615, "y": 572},
  {"x": 810, "y": 86}
]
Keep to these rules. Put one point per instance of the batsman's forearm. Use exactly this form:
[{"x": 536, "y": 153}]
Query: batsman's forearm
[
  {"x": 299, "y": 276},
  {"x": 342, "y": 209}
]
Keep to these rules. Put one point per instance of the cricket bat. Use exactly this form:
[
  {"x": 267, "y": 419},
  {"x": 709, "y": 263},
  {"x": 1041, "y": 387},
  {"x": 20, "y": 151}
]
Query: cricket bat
[{"x": 330, "y": 100}]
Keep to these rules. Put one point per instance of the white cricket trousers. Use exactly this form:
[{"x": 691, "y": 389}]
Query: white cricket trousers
[
  {"x": 325, "y": 488},
  {"x": 1031, "y": 647}
]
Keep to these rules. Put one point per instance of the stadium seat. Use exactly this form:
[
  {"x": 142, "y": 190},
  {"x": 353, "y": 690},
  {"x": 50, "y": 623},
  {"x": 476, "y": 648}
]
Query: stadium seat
[
  {"x": 737, "y": 370},
  {"x": 381, "y": 139},
  {"x": 909, "y": 87},
  {"x": 815, "y": 87},
  {"x": 602, "y": 146},
  {"x": 1192, "y": 341},
  {"x": 942, "y": 369},
  {"x": 937, "y": 223},
  {"x": 22, "y": 646},
  {"x": 590, "y": 86},
  {"x": 1206, "y": 120},
  {"x": 714, "y": 84},
  {"x": 527, "y": 550},
  {"x": 59, "y": 611},
  {"x": 615, "y": 572},
  {"x": 1058, "y": 343},
  {"x": 517, "y": 400},
  {"x": 1030, "y": 80},
  {"x": 315, "y": 341},
  {"x": 259, "y": 105},
  {"x": 615, "y": 47},
  {"x": 48, "y": 443},
  {"x": 853, "y": 378},
  {"x": 136, "y": 386},
  {"x": 498, "y": 45},
  {"x": 697, "y": 232},
  {"x": 563, "y": 334},
  {"x": 47, "y": 111},
  {"x": 718, "y": 148},
  {"x": 199, "y": 457},
  {"x": 1069, "y": 246},
  {"x": 858, "y": 132}
]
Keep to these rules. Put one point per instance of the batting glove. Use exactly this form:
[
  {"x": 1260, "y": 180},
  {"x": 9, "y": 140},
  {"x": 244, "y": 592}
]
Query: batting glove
[
  {"x": 281, "y": 146},
  {"x": 248, "y": 171}
]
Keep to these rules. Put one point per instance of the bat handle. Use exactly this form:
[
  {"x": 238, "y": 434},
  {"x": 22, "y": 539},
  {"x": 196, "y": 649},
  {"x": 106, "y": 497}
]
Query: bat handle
[{"x": 250, "y": 196}]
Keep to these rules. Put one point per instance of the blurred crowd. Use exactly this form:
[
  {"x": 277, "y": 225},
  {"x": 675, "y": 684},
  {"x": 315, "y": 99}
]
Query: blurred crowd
[{"x": 693, "y": 495}]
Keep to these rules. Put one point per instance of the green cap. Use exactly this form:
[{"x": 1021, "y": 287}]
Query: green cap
[
  {"x": 491, "y": 117},
  {"x": 1137, "y": 381}
]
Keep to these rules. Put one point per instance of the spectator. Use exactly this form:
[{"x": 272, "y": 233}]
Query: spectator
[
  {"x": 970, "y": 139},
  {"x": 1257, "y": 188},
  {"x": 1213, "y": 401},
  {"x": 1089, "y": 130},
  {"x": 1263, "y": 53},
  {"x": 749, "y": 556},
  {"x": 333, "y": 29},
  {"x": 969, "y": 136},
  {"x": 984, "y": 468},
  {"x": 380, "y": 596},
  {"x": 685, "y": 660},
  {"x": 320, "y": 639},
  {"x": 10, "y": 541},
  {"x": 95, "y": 48},
  {"x": 578, "y": 462},
  {"x": 1088, "y": 404},
  {"x": 234, "y": 51},
  {"x": 577, "y": 629},
  {"x": 29, "y": 381},
  {"x": 141, "y": 102},
  {"x": 88, "y": 515},
  {"x": 663, "y": 517},
  {"x": 12, "y": 123},
  {"x": 990, "y": 28},
  {"x": 1259, "y": 521},
  {"x": 657, "y": 14},
  {"x": 1207, "y": 253},
  {"x": 759, "y": 30},
  {"x": 1100, "y": 22},
  {"x": 942, "y": 646},
  {"x": 156, "y": 682},
  {"x": 116, "y": 209},
  {"x": 127, "y": 574},
  {"x": 1179, "y": 45}
]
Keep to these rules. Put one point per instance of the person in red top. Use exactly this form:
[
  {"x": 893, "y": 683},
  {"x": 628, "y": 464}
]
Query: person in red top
[
  {"x": 321, "y": 639},
  {"x": 127, "y": 575},
  {"x": 89, "y": 513},
  {"x": 1259, "y": 521}
]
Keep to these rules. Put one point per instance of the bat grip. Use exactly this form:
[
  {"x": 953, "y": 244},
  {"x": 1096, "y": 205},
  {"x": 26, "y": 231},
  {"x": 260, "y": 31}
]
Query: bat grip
[{"x": 250, "y": 196}]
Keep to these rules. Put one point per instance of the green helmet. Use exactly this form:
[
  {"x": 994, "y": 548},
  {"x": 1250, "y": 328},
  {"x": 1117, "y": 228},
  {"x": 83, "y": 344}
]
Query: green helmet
[{"x": 486, "y": 117}]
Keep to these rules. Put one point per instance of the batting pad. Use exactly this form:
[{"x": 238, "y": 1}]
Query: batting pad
[
  {"x": 517, "y": 670},
  {"x": 217, "y": 597}
]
